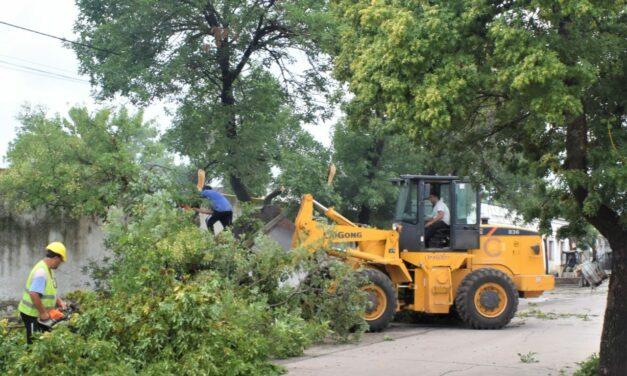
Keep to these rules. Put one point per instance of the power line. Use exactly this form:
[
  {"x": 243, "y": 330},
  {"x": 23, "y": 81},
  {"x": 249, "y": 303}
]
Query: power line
[
  {"x": 36, "y": 63},
  {"x": 42, "y": 74},
  {"x": 42, "y": 71},
  {"x": 59, "y": 38},
  {"x": 39, "y": 72}
]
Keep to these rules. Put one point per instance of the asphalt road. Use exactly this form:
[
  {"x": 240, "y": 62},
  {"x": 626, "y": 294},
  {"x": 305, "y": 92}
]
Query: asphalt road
[{"x": 551, "y": 333}]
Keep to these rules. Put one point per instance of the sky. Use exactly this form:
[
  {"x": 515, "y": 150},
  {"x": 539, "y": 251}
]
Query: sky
[{"x": 22, "y": 52}]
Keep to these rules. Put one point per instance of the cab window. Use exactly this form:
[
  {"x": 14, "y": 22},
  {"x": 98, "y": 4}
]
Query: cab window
[
  {"x": 442, "y": 189},
  {"x": 407, "y": 206},
  {"x": 466, "y": 204}
]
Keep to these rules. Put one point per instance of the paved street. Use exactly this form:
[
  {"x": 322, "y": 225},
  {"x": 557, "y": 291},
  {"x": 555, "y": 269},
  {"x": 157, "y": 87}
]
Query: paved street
[{"x": 558, "y": 329}]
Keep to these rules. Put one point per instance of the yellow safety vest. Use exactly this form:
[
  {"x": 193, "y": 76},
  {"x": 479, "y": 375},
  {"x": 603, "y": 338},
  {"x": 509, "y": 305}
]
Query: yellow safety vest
[{"x": 48, "y": 299}]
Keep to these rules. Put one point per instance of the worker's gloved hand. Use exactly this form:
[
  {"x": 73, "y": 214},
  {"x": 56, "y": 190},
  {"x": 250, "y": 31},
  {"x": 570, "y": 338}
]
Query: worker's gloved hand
[
  {"x": 44, "y": 319},
  {"x": 44, "y": 316}
]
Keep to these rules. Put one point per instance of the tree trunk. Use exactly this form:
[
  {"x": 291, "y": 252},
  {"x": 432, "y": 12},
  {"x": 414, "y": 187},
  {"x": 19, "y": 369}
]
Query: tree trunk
[
  {"x": 364, "y": 214},
  {"x": 614, "y": 338},
  {"x": 272, "y": 195},
  {"x": 239, "y": 188},
  {"x": 228, "y": 100},
  {"x": 374, "y": 157}
]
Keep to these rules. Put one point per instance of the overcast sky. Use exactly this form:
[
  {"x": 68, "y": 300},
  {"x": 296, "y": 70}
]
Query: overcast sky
[{"x": 22, "y": 51}]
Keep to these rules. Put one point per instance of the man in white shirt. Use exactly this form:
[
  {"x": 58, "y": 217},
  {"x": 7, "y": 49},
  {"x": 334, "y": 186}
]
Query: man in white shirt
[{"x": 441, "y": 217}]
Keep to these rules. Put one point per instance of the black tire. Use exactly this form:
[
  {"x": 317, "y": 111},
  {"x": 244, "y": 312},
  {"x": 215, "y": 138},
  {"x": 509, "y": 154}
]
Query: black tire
[
  {"x": 382, "y": 299},
  {"x": 486, "y": 316}
]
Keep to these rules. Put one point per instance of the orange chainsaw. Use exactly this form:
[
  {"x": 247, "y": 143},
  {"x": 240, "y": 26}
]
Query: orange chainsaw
[{"x": 58, "y": 315}]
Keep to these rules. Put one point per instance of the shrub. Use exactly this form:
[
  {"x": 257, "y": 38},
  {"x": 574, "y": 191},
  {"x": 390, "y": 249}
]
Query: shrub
[
  {"x": 178, "y": 300},
  {"x": 589, "y": 367},
  {"x": 247, "y": 224}
]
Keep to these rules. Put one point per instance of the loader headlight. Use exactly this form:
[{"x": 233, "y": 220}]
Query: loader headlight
[{"x": 397, "y": 227}]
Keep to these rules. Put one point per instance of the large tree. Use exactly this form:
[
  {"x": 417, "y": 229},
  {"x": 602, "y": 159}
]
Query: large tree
[
  {"x": 367, "y": 159},
  {"x": 263, "y": 122},
  {"x": 542, "y": 83},
  {"x": 214, "y": 57},
  {"x": 84, "y": 163},
  {"x": 304, "y": 166}
]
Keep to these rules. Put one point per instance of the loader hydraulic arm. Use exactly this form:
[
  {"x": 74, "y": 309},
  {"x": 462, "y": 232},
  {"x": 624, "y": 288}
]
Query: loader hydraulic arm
[
  {"x": 372, "y": 245},
  {"x": 334, "y": 215},
  {"x": 305, "y": 213}
]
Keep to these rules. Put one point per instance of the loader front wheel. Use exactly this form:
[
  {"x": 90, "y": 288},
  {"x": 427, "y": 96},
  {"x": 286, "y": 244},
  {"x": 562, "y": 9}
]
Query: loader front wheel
[
  {"x": 486, "y": 299},
  {"x": 381, "y": 299}
]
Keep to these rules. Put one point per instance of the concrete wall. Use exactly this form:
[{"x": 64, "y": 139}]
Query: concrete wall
[{"x": 22, "y": 242}]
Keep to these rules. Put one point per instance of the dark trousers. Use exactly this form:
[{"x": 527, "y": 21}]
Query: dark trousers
[
  {"x": 32, "y": 325},
  {"x": 431, "y": 230},
  {"x": 226, "y": 218}
]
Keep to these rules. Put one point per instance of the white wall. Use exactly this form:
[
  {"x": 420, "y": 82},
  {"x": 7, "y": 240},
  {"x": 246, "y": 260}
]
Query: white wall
[{"x": 22, "y": 242}]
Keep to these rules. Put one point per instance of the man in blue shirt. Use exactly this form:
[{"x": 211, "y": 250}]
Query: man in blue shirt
[{"x": 221, "y": 208}]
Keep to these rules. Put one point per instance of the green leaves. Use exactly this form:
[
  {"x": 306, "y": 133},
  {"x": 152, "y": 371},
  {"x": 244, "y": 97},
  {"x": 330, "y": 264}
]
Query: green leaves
[
  {"x": 199, "y": 132},
  {"x": 80, "y": 165},
  {"x": 179, "y": 300},
  {"x": 231, "y": 66},
  {"x": 367, "y": 158},
  {"x": 501, "y": 87}
]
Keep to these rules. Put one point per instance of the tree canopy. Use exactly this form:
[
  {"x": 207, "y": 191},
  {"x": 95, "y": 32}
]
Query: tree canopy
[
  {"x": 540, "y": 86},
  {"x": 217, "y": 59},
  {"x": 525, "y": 77},
  {"x": 367, "y": 160},
  {"x": 263, "y": 119},
  {"x": 82, "y": 164}
]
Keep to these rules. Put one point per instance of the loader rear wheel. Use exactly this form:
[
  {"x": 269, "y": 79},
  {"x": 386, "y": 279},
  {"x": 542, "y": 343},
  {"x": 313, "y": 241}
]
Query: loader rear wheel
[
  {"x": 381, "y": 299},
  {"x": 486, "y": 299}
]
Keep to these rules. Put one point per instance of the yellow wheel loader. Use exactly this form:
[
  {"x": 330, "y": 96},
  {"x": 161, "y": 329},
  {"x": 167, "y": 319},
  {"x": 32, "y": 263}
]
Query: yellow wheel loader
[{"x": 478, "y": 271}]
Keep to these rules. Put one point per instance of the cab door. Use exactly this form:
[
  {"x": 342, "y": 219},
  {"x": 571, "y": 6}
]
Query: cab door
[
  {"x": 408, "y": 208},
  {"x": 465, "y": 215}
]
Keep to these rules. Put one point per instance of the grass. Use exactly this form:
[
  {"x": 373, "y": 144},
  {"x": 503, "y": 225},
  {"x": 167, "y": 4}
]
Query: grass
[
  {"x": 589, "y": 367},
  {"x": 529, "y": 357},
  {"x": 534, "y": 312}
]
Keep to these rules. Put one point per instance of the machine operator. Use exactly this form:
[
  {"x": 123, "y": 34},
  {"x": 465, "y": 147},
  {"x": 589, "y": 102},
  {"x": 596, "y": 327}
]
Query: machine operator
[{"x": 441, "y": 217}]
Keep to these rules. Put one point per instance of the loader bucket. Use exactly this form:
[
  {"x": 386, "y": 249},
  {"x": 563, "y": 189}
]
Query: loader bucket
[{"x": 278, "y": 226}]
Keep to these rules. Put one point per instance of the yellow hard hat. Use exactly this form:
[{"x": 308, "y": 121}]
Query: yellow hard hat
[{"x": 58, "y": 248}]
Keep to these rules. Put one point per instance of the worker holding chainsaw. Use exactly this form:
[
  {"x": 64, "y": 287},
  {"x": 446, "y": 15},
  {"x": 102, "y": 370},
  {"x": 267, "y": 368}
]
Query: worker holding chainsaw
[{"x": 38, "y": 307}]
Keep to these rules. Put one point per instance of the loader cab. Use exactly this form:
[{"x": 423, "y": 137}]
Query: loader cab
[{"x": 414, "y": 209}]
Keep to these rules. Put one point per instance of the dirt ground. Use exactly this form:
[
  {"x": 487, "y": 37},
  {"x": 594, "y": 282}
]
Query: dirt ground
[{"x": 547, "y": 337}]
